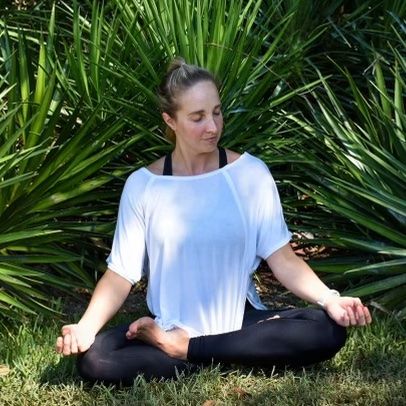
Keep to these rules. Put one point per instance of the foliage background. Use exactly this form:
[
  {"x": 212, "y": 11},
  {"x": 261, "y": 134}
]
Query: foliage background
[{"x": 316, "y": 89}]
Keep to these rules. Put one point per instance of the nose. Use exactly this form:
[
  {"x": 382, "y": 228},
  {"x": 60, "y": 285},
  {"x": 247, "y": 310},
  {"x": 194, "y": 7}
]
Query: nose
[{"x": 211, "y": 125}]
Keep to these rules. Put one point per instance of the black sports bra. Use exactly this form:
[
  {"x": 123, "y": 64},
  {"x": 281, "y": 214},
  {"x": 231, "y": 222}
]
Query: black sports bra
[{"x": 168, "y": 161}]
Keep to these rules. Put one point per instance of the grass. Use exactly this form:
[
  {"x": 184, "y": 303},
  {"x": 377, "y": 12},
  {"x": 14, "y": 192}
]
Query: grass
[{"x": 369, "y": 371}]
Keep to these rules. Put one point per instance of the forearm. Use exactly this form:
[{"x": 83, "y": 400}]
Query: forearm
[
  {"x": 300, "y": 279},
  {"x": 294, "y": 274},
  {"x": 108, "y": 296},
  {"x": 303, "y": 282}
]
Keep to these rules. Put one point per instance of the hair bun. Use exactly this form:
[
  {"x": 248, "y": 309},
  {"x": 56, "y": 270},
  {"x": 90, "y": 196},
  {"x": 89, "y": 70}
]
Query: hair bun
[{"x": 176, "y": 64}]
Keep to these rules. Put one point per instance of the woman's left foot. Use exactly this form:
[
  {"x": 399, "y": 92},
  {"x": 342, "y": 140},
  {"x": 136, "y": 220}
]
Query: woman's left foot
[{"x": 174, "y": 342}]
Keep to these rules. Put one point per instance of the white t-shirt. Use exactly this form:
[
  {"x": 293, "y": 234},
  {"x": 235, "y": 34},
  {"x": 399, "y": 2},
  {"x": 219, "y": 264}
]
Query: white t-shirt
[{"x": 199, "y": 238}]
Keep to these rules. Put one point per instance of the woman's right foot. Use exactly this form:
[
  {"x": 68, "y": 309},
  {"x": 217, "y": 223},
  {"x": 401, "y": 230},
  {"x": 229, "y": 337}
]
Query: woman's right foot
[{"x": 174, "y": 342}]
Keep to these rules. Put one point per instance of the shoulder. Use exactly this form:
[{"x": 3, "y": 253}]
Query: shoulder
[
  {"x": 251, "y": 175},
  {"x": 232, "y": 156},
  {"x": 136, "y": 183},
  {"x": 251, "y": 162},
  {"x": 157, "y": 166}
]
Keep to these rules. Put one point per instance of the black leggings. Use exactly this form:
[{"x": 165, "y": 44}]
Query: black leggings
[{"x": 298, "y": 338}]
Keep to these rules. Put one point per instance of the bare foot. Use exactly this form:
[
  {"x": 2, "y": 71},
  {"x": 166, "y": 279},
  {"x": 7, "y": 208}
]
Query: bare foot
[{"x": 174, "y": 342}]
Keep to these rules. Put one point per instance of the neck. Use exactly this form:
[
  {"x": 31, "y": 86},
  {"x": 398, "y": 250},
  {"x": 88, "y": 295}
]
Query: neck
[{"x": 187, "y": 164}]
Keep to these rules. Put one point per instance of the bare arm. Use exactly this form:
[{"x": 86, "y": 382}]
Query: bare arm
[
  {"x": 294, "y": 273},
  {"x": 300, "y": 279},
  {"x": 108, "y": 296}
]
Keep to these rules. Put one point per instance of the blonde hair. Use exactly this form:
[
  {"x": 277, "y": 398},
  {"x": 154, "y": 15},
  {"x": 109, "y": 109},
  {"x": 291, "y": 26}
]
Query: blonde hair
[{"x": 179, "y": 77}]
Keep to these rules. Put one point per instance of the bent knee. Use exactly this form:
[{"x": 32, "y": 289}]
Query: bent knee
[
  {"x": 90, "y": 367},
  {"x": 335, "y": 335}
]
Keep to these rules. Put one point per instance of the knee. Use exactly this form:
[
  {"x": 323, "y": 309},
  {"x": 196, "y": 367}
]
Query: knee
[
  {"x": 89, "y": 366},
  {"x": 334, "y": 336}
]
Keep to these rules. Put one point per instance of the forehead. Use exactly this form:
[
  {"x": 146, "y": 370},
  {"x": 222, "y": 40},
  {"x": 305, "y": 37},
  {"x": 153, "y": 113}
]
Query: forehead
[{"x": 202, "y": 95}]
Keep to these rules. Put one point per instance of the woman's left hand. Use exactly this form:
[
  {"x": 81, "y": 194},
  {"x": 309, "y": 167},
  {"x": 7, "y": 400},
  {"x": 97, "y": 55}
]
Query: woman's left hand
[{"x": 348, "y": 311}]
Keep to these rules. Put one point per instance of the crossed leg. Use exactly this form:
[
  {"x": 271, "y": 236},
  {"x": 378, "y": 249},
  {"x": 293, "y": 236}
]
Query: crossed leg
[
  {"x": 115, "y": 359},
  {"x": 298, "y": 337}
]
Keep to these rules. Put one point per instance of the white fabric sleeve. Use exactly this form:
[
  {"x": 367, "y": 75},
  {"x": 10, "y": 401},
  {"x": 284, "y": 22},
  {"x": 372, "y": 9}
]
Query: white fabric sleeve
[
  {"x": 127, "y": 256},
  {"x": 272, "y": 231}
]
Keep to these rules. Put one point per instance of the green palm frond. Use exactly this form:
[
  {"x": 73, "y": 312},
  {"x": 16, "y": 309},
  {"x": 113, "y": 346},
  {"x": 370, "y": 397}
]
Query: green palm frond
[
  {"x": 362, "y": 175},
  {"x": 53, "y": 192}
]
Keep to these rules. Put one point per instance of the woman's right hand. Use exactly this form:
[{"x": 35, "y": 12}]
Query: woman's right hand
[
  {"x": 74, "y": 339},
  {"x": 108, "y": 296}
]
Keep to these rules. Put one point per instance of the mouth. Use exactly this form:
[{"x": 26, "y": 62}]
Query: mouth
[{"x": 211, "y": 140}]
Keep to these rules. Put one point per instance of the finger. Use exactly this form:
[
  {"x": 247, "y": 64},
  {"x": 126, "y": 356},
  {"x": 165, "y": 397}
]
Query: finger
[
  {"x": 67, "y": 344},
  {"x": 360, "y": 316},
  {"x": 351, "y": 315},
  {"x": 74, "y": 344},
  {"x": 65, "y": 330},
  {"x": 367, "y": 314},
  {"x": 59, "y": 345}
]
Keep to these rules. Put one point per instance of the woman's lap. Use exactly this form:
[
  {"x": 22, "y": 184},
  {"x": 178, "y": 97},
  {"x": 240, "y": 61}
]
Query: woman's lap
[{"x": 297, "y": 337}]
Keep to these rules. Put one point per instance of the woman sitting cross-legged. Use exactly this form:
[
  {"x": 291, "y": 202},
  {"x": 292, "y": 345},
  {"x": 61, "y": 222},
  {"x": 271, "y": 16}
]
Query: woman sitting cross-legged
[{"x": 198, "y": 222}]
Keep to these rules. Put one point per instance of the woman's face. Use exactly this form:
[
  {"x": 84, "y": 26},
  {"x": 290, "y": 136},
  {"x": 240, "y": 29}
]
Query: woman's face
[{"x": 198, "y": 122}]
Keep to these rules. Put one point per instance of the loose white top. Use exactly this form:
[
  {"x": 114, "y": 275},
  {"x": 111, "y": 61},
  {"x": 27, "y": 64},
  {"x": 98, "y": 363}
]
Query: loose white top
[{"x": 199, "y": 238}]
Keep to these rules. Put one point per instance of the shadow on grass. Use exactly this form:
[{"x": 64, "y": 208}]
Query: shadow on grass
[{"x": 64, "y": 372}]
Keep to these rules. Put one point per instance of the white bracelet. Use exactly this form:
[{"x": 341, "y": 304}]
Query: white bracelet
[{"x": 331, "y": 292}]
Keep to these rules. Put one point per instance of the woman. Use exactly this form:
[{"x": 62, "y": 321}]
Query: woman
[{"x": 199, "y": 221}]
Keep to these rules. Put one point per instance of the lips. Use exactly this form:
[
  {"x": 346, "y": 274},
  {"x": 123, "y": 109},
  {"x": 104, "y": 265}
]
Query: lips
[{"x": 211, "y": 139}]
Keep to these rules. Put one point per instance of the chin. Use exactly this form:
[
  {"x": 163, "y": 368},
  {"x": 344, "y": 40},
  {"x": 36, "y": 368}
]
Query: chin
[{"x": 211, "y": 148}]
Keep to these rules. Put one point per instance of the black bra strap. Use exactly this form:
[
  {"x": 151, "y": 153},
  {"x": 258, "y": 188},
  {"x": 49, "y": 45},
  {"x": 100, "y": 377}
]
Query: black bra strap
[
  {"x": 168, "y": 161},
  {"x": 222, "y": 157},
  {"x": 168, "y": 165}
]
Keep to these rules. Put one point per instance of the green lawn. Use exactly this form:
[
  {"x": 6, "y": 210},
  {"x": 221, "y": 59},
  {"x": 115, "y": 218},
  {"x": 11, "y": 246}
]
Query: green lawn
[{"x": 370, "y": 370}]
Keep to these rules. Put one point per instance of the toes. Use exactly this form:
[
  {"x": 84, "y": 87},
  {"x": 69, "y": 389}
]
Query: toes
[{"x": 132, "y": 330}]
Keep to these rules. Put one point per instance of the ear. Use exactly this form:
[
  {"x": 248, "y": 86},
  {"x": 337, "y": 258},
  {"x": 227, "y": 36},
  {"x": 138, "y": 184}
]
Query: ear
[{"x": 169, "y": 121}]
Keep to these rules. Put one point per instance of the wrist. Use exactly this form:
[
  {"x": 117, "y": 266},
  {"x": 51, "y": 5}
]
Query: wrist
[
  {"x": 88, "y": 326},
  {"x": 327, "y": 296}
]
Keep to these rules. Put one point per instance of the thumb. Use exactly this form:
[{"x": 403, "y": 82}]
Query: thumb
[{"x": 338, "y": 314}]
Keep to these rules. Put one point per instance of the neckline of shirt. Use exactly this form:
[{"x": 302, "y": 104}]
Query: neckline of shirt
[{"x": 202, "y": 175}]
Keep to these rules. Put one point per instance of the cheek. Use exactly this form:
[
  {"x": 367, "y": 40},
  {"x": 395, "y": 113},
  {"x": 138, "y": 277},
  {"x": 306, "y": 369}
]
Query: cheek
[
  {"x": 219, "y": 122},
  {"x": 195, "y": 128}
]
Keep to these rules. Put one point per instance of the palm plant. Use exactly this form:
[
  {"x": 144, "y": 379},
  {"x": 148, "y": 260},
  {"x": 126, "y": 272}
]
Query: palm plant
[
  {"x": 53, "y": 193},
  {"x": 120, "y": 56},
  {"x": 69, "y": 113},
  {"x": 360, "y": 187},
  {"x": 71, "y": 104}
]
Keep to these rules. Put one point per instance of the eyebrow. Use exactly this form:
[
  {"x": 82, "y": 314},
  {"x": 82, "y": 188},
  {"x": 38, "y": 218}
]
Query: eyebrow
[{"x": 202, "y": 111}]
